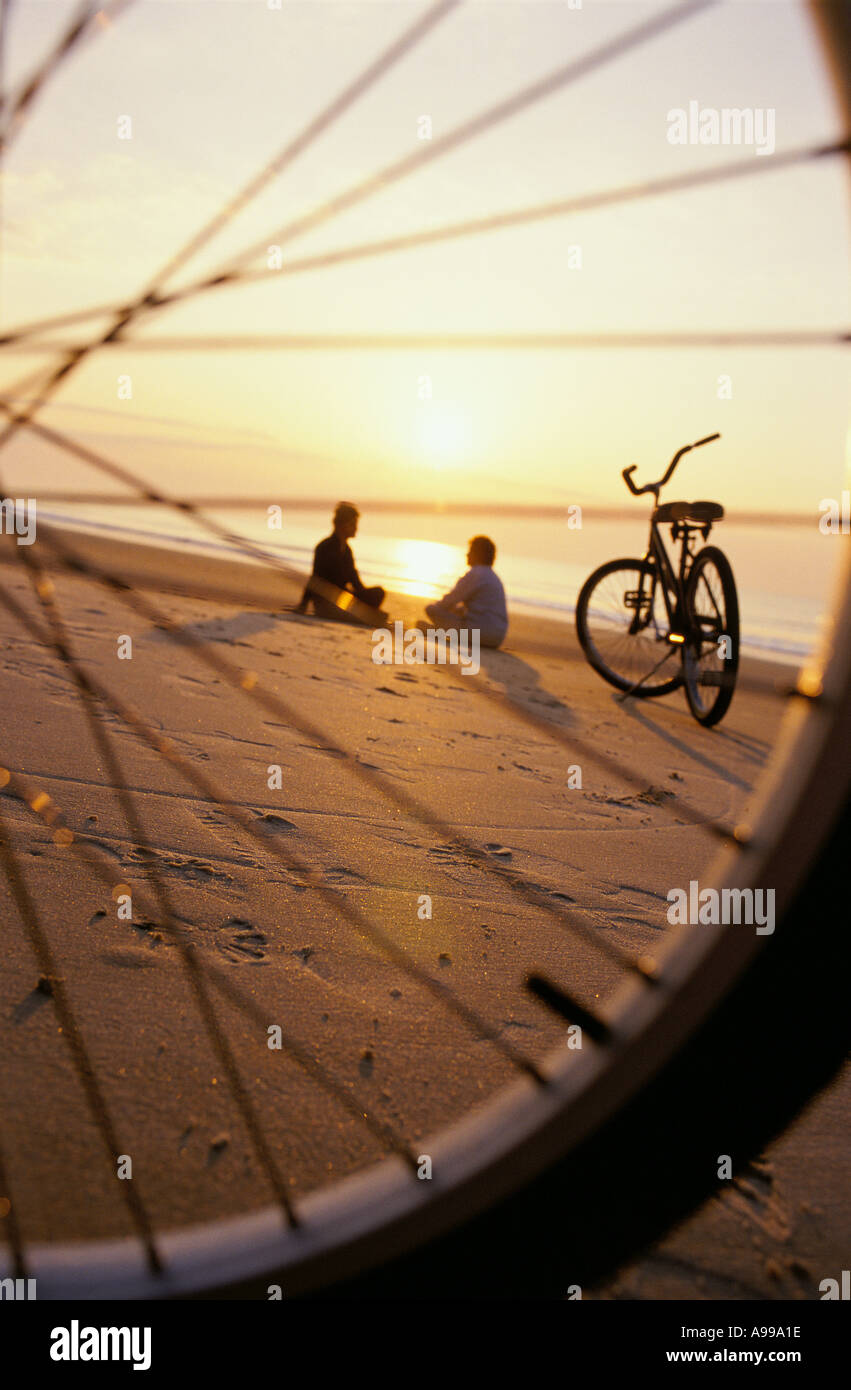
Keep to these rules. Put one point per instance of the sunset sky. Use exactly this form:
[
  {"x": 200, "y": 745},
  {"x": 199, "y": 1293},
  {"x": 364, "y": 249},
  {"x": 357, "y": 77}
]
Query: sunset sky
[{"x": 215, "y": 89}]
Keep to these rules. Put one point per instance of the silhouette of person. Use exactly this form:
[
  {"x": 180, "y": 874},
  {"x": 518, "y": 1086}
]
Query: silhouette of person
[
  {"x": 334, "y": 564},
  {"x": 478, "y": 599}
]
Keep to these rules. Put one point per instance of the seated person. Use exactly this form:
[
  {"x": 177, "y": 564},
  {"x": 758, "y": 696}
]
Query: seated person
[
  {"x": 477, "y": 600},
  {"x": 334, "y": 564}
]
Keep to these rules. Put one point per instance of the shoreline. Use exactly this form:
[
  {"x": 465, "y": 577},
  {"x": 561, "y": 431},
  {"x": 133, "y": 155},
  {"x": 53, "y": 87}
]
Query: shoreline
[
  {"x": 765, "y": 645},
  {"x": 248, "y": 581}
]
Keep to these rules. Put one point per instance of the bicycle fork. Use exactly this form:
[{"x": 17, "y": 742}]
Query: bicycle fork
[{"x": 635, "y": 598}]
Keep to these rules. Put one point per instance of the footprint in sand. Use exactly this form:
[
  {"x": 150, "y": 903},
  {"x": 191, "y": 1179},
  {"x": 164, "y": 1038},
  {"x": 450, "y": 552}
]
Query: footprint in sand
[
  {"x": 273, "y": 823},
  {"x": 196, "y": 871},
  {"x": 224, "y": 831},
  {"x": 150, "y": 932},
  {"x": 190, "y": 685},
  {"x": 104, "y": 848},
  {"x": 321, "y": 748},
  {"x": 342, "y": 876},
  {"x": 753, "y": 1196},
  {"x": 242, "y": 941},
  {"x": 128, "y": 958},
  {"x": 217, "y": 1148}
]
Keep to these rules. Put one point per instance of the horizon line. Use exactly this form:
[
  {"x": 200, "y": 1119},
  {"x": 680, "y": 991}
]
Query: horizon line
[{"x": 536, "y": 510}]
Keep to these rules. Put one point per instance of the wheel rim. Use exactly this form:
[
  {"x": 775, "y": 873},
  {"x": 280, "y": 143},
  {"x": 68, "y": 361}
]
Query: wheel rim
[{"x": 708, "y": 673}]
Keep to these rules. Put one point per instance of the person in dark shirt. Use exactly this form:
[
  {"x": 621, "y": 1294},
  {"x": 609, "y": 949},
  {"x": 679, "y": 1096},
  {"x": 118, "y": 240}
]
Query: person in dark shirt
[{"x": 334, "y": 564}]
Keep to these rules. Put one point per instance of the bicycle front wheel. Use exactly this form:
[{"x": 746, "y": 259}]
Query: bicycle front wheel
[
  {"x": 622, "y": 625},
  {"x": 711, "y": 653}
]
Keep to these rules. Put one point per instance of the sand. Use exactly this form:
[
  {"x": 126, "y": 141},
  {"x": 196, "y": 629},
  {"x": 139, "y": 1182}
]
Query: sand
[{"x": 489, "y": 757}]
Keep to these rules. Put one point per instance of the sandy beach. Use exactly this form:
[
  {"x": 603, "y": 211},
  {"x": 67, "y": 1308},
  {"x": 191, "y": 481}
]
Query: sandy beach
[{"x": 491, "y": 757}]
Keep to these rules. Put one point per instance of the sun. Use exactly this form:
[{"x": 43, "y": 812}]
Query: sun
[{"x": 442, "y": 435}]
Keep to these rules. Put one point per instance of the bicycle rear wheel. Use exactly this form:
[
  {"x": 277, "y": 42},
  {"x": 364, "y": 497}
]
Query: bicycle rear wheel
[
  {"x": 710, "y": 662},
  {"x": 622, "y": 625}
]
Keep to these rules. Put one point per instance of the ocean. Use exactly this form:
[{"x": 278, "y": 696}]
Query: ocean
[{"x": 785, "y": 572}]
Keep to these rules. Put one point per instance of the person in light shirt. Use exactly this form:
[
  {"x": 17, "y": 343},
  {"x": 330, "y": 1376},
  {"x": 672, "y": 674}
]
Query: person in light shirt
[{"x": 478, "y": 599}]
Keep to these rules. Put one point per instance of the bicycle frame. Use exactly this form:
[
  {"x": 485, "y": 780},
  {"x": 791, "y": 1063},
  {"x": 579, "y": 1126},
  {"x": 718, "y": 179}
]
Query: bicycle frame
[{"x": 672, "y": 581}]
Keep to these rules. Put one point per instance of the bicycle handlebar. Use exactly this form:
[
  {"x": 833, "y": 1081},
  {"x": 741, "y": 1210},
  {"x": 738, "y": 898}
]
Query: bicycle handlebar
[{"x": 654, "y": 487}]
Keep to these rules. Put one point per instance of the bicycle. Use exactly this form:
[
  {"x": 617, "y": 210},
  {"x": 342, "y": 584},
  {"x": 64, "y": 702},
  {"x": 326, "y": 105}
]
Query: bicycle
[{"x": 629, "y": 611}]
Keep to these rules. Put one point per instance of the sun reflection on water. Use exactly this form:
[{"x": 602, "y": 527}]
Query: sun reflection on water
[{"x": 426, "y": 568}]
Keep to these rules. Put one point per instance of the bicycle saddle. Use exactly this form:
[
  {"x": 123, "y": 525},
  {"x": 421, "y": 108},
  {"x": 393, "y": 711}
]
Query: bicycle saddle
[{"x": 701, "y": 512}]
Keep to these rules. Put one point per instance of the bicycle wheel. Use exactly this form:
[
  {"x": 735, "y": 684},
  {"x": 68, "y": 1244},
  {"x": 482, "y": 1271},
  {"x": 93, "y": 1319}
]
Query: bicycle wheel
[
  {"x": 622, "y": 625},
  {"x": 711, "y": 655}
]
